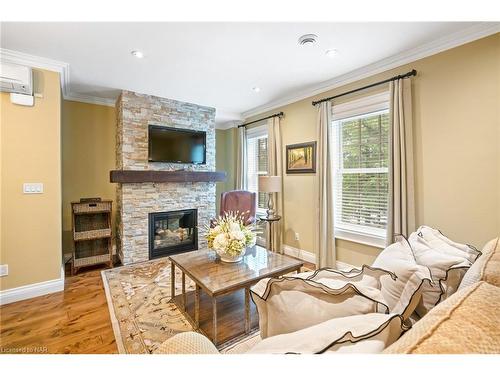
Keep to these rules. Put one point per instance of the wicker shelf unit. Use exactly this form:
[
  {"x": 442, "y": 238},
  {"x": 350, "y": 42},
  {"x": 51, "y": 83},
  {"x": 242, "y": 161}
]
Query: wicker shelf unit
[{"x": 91, "y": 233}]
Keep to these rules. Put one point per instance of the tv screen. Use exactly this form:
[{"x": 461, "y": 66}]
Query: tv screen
[{"x": 172, "y": 145}]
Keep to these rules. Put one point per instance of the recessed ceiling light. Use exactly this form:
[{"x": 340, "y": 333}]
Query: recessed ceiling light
[
  {"x": 256, "y": 89},
  {"x": 331, "y": 53},
  {"x": 307, "y": 39},
  {"x": 137, "y": 54}
]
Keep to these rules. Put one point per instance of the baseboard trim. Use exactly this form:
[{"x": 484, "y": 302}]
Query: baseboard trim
[
  {"x": 32, "y": 290},
  {"x": 307, "y": 256},
  {"x": 304, "y": 255}
]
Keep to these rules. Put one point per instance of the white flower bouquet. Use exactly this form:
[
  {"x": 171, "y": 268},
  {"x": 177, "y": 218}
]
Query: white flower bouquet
[{"x": 229, "y": 237}]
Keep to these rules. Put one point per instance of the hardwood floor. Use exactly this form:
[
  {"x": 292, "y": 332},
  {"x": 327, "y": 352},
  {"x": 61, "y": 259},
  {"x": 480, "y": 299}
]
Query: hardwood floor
[
  {"x": 73, "y": 321},
  {"x": 77, "y": 319}
]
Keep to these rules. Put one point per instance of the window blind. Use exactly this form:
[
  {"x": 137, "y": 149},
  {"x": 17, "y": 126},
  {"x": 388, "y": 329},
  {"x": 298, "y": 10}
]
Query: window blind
[
  {"x": 361, "y": 154},
  {"x": 257, "y": 162}
]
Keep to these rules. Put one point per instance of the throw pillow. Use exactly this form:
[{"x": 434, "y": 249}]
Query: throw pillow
[
  {"x": 476, "y": 271},
  {"x": 403, "y": 293},
  {"x": 447, "y": 261}
]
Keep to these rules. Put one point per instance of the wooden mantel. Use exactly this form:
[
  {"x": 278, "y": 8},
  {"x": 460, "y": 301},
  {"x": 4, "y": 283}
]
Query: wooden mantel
[{"x": 123, "y": 177}]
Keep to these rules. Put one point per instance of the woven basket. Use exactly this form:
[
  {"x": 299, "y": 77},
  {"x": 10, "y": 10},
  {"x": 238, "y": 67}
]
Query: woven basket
[
  {"x": 86, "y": 249},
  {"x": 92, "y": 234},
  {"x": 82, "y": 208},
  {"x": 88, "y": 261}
]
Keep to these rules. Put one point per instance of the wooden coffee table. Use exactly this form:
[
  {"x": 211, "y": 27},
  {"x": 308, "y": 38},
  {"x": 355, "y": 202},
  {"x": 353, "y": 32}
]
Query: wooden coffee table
[{"x": 217, "y": 278}]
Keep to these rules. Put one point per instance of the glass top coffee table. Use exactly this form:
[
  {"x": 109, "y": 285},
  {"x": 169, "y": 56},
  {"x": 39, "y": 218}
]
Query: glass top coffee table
[{"x": 217, "y": 278}]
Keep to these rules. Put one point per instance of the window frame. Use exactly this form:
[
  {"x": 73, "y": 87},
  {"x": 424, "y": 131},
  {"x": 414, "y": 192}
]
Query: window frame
[
  {"x": 359, "y": 107},
  {"x": 259, "y": 131}
]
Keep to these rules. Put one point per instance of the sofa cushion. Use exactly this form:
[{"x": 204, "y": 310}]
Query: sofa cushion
[
  {"x": 447, "y": 261},
  {"x": 467, "y": 322},
  {"x": 486, "y": 268},
  {"x": 291, "y": 303},
  {"x": 404, "y": 292},
  {"x": 369, "y": 333}
]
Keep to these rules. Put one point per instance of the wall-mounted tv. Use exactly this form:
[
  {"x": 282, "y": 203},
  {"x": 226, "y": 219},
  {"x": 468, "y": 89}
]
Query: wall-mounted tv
[{"x": 173, "y": 145}]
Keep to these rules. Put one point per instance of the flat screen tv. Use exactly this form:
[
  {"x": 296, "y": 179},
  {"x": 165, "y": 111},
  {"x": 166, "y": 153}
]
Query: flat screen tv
[{"x": 172, "y": 145}]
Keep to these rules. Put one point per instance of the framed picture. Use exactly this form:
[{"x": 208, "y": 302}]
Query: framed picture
[{"x": 301, "y": 158}]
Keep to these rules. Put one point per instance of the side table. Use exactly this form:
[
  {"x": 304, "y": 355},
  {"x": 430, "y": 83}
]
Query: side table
[{"x": 270, "y": 221}]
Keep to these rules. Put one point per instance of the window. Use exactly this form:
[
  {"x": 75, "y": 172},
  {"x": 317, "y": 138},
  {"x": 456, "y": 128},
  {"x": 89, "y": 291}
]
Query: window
[
  {"x": 361, "y": 155},
  {"x": 257, "y": 162}
]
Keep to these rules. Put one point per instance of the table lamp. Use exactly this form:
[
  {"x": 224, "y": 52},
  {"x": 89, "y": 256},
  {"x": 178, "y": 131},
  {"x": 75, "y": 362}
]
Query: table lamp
[{"x": 270, "y": 185}]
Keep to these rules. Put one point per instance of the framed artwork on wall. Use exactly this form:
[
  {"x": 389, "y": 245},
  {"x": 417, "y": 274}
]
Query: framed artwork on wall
[{"x": 301, "y": 158}]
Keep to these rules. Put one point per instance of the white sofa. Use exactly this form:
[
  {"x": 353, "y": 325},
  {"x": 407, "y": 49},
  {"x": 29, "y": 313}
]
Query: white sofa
[{"x": 379, "y": 331}]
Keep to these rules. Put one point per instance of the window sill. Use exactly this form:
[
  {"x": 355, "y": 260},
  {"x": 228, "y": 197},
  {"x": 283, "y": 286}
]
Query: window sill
[
  {"x": 361, "y": 238},
  {"x": 260, "y": 212}
]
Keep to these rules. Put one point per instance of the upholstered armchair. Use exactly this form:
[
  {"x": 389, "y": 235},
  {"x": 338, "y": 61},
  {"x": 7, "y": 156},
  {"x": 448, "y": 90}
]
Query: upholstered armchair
[{"x": 245, "y": 202}]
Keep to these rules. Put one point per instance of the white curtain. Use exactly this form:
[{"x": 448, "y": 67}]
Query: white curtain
[
  {"x": 275, "y": 168},
  {"x": 241, "y": 159},
  {"x": 325, "y": 232},
  {"x": 401, "y": 209}
]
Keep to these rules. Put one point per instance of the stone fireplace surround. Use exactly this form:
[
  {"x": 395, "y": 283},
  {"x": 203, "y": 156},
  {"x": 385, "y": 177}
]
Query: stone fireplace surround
[{"x": 135, "y": 201}]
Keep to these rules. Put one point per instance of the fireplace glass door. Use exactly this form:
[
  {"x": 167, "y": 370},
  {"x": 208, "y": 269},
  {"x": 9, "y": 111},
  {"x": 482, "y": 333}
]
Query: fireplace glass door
[{"x": 172, "y": 232}]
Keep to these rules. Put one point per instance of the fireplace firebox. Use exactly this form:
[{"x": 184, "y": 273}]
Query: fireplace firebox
[{"x": 172, "y": 232}]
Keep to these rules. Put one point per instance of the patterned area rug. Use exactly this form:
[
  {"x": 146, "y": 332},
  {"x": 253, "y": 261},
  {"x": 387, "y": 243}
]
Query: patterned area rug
[
  {"x": 138, "y": 300},
  {"x": 141, "y": 313}
]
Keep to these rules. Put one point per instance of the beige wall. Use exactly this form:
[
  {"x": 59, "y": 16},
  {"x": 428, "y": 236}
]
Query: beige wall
[
  {"x": 88, "y": 154},
  {"x": 225, "y": 160},
  {"x": 220, "y": 162},
  {"x": 30, "y": 152},
  {"x": 457, "y": 160}
]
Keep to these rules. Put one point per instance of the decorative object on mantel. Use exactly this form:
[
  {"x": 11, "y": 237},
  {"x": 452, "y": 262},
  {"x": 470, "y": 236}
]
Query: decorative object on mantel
[
  {"x": 229, "y": 237},
  {"x": 136, "y": 176},
  {"x": 301, "y": 158},
  {"x": 91, "y": 222}
]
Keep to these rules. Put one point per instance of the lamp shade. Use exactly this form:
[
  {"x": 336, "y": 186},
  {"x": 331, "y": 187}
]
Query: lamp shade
[{"x": 270, "y": 184}]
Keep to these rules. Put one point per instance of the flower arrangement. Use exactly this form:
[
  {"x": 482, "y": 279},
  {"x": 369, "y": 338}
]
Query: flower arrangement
[{"x": 229, "y": 237}]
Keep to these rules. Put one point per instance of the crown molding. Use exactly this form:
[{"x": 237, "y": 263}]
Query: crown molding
[
  {"x": 225, "y": 125},
  {"x": 73, "y": 97},
  {"x": 439, "y": 45},
  {"x": 228, "y": 124},
  {"x": 61, "y": 67}
]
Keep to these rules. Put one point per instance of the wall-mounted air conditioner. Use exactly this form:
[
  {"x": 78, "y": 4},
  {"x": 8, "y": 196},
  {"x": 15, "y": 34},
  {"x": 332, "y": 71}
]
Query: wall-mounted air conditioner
[{"x": 18, "y": 80}]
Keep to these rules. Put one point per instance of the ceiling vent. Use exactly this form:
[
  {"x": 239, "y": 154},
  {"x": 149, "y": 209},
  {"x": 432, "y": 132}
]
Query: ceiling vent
[{"x": 308, "y": 39}]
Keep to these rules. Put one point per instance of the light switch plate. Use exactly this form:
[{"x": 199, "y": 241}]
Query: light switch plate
[
  {"x": 4, "y": 269},
  {"x": 33, "y": 188}
]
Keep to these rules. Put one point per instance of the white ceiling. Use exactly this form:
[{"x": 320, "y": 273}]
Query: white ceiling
[{"x": 216, "y": 64}]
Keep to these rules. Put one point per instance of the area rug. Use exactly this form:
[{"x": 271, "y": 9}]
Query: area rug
[
  {"x": 139, "y": 304},
  {"x": 142, "y": 315}
]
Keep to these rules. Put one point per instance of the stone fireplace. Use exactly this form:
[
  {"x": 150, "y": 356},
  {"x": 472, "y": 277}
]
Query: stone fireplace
[{"x": 138, "y": 202}]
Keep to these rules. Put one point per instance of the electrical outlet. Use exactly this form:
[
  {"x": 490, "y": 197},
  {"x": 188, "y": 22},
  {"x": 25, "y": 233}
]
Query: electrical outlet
[
  {"x": 4, "y": 269},
  {"x": 33, "y": 188},
  {"x": 297, "y": 238}
]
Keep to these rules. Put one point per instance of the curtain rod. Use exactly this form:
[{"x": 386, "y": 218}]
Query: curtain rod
[
  {"x": 262, "y": 119},
  {"x": 406, "y": 75}
]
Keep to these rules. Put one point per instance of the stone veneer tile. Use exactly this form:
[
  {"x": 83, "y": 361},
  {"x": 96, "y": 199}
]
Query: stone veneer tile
[{"x": 135, "y": 201}]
